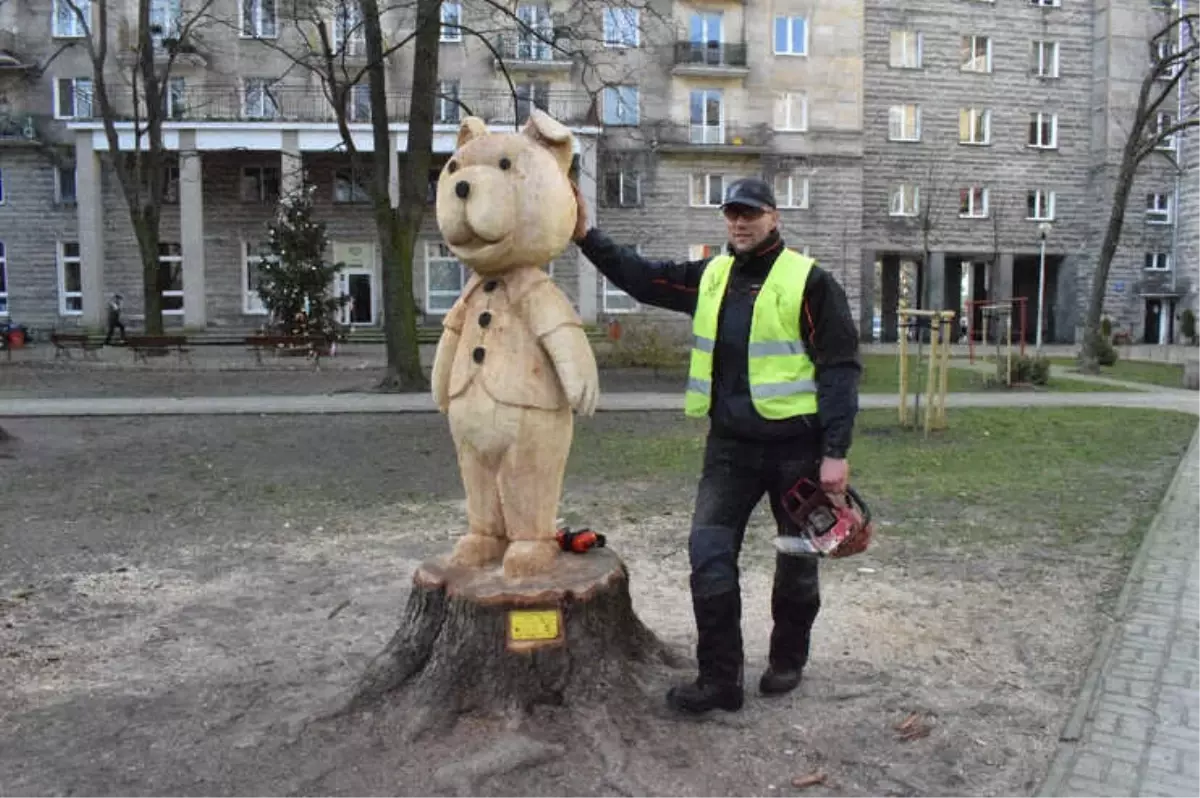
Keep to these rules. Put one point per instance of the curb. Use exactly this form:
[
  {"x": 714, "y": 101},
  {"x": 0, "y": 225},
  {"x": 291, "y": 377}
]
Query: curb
[{"x": 1060, "y": 765}]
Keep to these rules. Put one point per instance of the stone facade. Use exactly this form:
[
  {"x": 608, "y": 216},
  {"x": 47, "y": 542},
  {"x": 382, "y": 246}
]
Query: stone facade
[{"x": 833, "y": 58}]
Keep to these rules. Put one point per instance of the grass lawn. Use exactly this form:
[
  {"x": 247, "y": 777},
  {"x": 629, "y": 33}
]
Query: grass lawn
[
  {"x": 1060, "y": 476},
  {"x": 1167, "y": 374},
  {"x": 881, "y": 374}
]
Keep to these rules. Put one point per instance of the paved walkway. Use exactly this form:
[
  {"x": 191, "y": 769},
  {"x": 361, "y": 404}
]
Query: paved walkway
[{"x": 1135, "y": 729}]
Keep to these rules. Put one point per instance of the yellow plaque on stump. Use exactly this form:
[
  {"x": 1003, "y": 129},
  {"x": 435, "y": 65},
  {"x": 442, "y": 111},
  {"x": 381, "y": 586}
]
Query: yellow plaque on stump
[{"x": 534, "y": 628}]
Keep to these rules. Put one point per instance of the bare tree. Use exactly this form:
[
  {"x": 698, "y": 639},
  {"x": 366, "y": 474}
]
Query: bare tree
[
  {"x": 1173, "y": 55},
  {"x": 141, "y": 65},
  {"x": 325, "y": 56}
]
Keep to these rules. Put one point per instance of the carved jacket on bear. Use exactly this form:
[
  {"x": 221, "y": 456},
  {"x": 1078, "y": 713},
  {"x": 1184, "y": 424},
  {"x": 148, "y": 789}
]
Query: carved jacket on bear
[{"x": 499, "y": 321}]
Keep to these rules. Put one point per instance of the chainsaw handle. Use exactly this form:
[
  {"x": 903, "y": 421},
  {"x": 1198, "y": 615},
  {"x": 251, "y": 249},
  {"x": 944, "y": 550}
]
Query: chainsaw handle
[{"x": 863, "y": 506}]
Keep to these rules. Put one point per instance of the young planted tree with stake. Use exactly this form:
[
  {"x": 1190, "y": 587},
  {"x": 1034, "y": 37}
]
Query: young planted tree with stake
[
  {"x": 1173, "y": 55},
  {"x": 136, "y": 68}
]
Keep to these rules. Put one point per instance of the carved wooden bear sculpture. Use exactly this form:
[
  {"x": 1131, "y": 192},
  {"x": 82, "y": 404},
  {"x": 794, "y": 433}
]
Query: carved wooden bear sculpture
[{"x": 513, "y": 359}]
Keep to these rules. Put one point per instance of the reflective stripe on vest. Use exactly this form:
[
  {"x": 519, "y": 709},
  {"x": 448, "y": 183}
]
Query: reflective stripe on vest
[{"x": 781, "y": 375}]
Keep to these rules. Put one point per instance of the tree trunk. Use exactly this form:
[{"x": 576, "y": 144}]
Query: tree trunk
[
  {"x": 398, "y": 230},
  {"x": 1092, "y": 340},
  {"x": 146, "y": 231},
  {"x": 455, "y": 651}
]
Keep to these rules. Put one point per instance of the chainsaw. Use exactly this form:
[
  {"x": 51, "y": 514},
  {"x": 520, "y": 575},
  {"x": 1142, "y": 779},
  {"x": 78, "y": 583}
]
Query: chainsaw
[{"x": 826, "y": 525}]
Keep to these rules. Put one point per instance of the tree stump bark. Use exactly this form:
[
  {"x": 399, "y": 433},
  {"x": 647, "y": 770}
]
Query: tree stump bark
[{"x": 474, "y": 641}]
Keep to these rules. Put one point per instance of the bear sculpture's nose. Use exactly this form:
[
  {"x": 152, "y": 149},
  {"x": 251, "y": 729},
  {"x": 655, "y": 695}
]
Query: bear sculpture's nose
[{"x": 462, "y": 188}]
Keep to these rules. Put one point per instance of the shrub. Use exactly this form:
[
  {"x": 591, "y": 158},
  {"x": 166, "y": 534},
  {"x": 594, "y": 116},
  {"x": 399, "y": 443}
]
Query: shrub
[
  {"x": 1106, "y": 328},
  {"x": 1106, "y": 353},
  {"x": 1187, "y": 326},
  {"x": 1027, "y": 370},
  {"x": 649, "y": 346}
]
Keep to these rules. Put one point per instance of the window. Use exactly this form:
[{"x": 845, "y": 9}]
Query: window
[
  {"x": 791, "y": 191},
  {"x": 447, "y": 108},
  {"x": 617, "y": 301},
  {"x": 974, "y": 126},
  {"x": 976, "y": 54},
  {"x": 791, "y": 36},
  {"x": 535, "y": 31},
  {"x": 708, "y": 190},
  {"x": 1040, "y": 206},
  {"x": 622, "y": 188},
  {"x": 66, "y": 23},
  {"x": 350, "y": 185},
  {"x": 707, "y": 117},
  {"x": 348, "y": 35},
  {"x": 621, "y": 27},
  {"x": 1, "y": 186},
  {"x": 1045, "y": 3},
  {"x": 703, "y": 251},
  {"x": 1158, "y": 208},
  {"x": 451, "y": 20},
  {"x": 1161, "y": 125},
  {"x": 259, "y": 19},
  {"x": 259, "y": 102},
  {"x": 530, "y": 96},
  {"x": 431, "y": 186},
  {"x": 1045, "y": 59},
  {"x": 170, "y": 185},
  {"x": 1158, "y": 262},
  {"x": 170, "y": 277},
  {"x": 73, "y": 98},
  {"x": 791, "y": 111},
  {"x": 64, "y": 184},
  {"x": 444, "y": 278},
  {"x": 621, "y": 104},
  {"x": 358, "y": 103},
  {"x": 3, "y": 281},
  {"x": 166, "y": 20},
  {"x": 70, "y": 279},
  {"x": 260, "y": 184},
  {"x": 174, "y": 98},
  {"x": 1043, "y": 130},
  {"x": 904, "y": 123},
  {"x": 973, "y": 202},
  {"x": 905, "y": 200},
  {"x": 905, "y": 49},
  {"x": 252, "y": 259}
]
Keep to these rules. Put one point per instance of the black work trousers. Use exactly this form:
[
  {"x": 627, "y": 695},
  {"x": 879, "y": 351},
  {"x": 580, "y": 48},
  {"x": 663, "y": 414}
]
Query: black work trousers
[{"x": 736, "y": 475}]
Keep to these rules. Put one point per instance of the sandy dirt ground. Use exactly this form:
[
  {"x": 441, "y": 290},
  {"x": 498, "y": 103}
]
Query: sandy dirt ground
[{"x": 181, "y": 599}]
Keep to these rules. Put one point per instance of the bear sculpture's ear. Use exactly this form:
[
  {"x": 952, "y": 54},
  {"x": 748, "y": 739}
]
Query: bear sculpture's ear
[
  {"x": 553, "y": 135},
  {"x": 471, "y": 128}
]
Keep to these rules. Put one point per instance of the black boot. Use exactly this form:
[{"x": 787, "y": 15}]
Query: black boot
[
  {"x": 795, "y": 602},
  {"x": 719, "y": 653}
]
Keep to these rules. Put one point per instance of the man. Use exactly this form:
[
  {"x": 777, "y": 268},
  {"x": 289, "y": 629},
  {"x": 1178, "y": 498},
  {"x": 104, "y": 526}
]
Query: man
[
  {"x": 114, "y": 318},
  {"x": 775, "y": 367}
]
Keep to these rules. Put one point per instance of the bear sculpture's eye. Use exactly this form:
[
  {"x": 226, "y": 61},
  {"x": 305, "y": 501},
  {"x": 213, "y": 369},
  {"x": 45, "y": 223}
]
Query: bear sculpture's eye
[
  {"x": 452, "y": 167},
  {"x": 505, "y": 163}
]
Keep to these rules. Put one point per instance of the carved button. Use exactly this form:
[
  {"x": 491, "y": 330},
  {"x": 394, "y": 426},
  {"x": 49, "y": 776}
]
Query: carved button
[
  {"x": 490, "y": 285},
  {"x": 478, "y": 354},
  {"x": 485, "y": 319}
]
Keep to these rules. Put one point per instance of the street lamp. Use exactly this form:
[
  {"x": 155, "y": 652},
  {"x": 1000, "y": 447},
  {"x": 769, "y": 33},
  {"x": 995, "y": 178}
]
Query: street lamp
[{"x": 1043, "y": 231}]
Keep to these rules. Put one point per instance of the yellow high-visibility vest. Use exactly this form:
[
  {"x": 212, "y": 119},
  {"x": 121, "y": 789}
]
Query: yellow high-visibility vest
[{"x": 782, "y": 377}]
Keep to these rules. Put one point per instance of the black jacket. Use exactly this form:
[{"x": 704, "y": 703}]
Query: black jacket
[{"x": 827, "y": 330}]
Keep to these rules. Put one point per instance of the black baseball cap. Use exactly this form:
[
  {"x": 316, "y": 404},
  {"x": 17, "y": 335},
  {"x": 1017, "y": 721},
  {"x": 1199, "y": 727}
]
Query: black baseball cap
[{"x": 750, "y": 191}]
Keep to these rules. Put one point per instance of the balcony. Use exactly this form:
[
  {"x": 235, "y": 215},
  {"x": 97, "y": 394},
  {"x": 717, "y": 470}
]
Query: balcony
[
  {"x": 715, "y": 139},
  {"x": 530, "y": 53},
  {"x": 302, "y": 104},
  {"x": 18, "y": 129},
  {"x": 710, "y": 59}
]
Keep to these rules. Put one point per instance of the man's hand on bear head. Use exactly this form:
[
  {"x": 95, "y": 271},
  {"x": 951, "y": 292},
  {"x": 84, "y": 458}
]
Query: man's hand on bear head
[{"x": 581, "y": 217}]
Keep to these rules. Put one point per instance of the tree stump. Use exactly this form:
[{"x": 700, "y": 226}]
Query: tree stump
[
  {"x": 1191, "y": 373},
  {"x": 474, "y": 641}
]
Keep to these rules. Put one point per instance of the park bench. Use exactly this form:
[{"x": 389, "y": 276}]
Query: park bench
[
  {"x": 145, "y": 345},
  {"x": 65, "y": 342},
  {"x": 312, "y": 346}
]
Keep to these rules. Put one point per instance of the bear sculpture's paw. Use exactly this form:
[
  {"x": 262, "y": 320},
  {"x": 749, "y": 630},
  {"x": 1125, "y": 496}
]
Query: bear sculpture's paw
[
  {"x": 530, "y": 558},
  {"x": 474, "y": 551}
]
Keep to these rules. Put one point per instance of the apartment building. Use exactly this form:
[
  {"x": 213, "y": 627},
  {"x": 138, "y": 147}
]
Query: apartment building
[
  {"x": 994, "y": 128},
  {"x": 677, "y": 98},
  {"x": 918, "y": 149}
]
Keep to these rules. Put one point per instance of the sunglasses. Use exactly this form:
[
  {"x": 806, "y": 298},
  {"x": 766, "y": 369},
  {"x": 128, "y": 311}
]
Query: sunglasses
[{"x": 735, "y": 212}]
